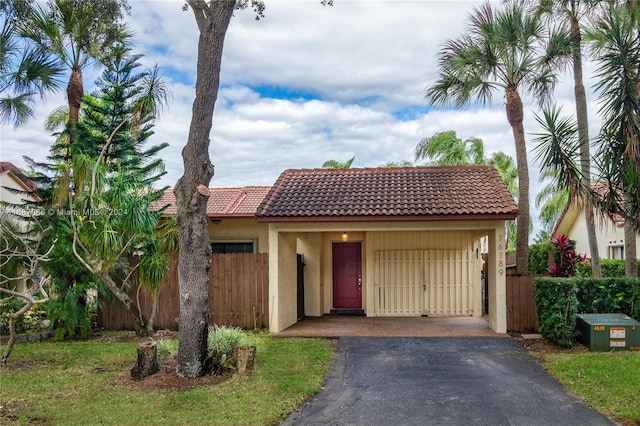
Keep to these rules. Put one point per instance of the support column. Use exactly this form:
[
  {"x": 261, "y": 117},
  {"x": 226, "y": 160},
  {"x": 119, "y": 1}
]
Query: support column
[
  {"x": 282, "y": 280},
  {"x": 496, "y": 272}
]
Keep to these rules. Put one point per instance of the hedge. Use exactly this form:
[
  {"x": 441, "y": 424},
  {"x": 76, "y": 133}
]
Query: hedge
[{"x": 558, "y": 300}]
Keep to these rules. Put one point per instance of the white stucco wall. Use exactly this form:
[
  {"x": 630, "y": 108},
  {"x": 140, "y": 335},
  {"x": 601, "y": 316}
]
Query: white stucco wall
[{"x": 607, "y": 233}]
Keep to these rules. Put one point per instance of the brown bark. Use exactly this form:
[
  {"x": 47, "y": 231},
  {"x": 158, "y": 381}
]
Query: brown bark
[
  {"x": 12, "y": 331},
  {"x": 75, "y": 91},
  {"x": 630, "y": 252},
  {"x": 138, "y": 318},
  {"x": 583, "y": 137},
  {"x": 147, "y": 362},
  {"x": 515, "y": 115},
  {"x": 194, "y": 257}
]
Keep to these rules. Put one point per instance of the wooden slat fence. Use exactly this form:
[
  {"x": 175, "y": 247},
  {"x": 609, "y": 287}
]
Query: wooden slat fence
[
  {"x": 521, "y": 310},
  {"x": 238, "y": 296}
]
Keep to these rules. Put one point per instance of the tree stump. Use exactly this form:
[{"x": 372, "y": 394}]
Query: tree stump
[
  {"x": 147, "y": 363},
  {"x": 245, "y": 356}
]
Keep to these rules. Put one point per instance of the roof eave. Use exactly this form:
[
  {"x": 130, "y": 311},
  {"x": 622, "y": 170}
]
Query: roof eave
[{"x": 407, "y": 218}]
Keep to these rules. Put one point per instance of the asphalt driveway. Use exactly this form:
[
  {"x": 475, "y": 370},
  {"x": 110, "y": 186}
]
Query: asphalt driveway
[{"x": 440, "y": 381}]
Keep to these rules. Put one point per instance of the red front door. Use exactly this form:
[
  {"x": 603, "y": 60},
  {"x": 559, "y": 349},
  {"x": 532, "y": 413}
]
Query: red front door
[{"x": 347, "y": 275}]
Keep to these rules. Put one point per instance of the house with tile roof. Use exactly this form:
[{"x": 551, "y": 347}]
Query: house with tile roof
[
  {"x": 371, "y": 241},
  {"x": 232, "y": 223},
  {"x": 609, "y": 230},
  {"x": 386, "y": 242},
  {"x": 15, "y": 187}
]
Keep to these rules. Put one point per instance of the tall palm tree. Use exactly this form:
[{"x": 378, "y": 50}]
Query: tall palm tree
[
  {"x": 568, "y": 14},
  {"x": 77, "y": 34},
  {"x": 502, "y": 50},
  {"x": 447, "y": 149},
  {"x": 615, "y": 42},
  {"x": 25, "y": 74}
]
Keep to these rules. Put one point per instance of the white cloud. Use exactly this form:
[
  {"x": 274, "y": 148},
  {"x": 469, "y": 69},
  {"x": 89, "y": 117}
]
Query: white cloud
[{"x": 364, "y": 60}]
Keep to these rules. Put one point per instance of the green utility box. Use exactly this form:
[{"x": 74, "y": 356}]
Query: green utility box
[{"x": 607, "y": 332}]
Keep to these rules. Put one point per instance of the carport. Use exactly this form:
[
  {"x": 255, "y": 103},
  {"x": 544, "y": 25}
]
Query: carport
[{"x": 386, "y": 242}]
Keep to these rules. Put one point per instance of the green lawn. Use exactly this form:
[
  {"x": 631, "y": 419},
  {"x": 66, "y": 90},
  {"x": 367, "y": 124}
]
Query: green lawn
[
  {"x": 80, "y": 383},
  {"x": 610, "y": 382}
]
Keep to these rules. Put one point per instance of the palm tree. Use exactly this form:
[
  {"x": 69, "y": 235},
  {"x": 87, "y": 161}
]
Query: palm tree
[
  {"x": 568, "y": 14},
  {"x": 615, "y": 42},
  {"x": 447, "y": 149},
  {"x": 77, "y": 34},
  {"x": 334, "y": 164},
  {"x": 25, "y": 73},
  {"x": 502, "y": 50}
]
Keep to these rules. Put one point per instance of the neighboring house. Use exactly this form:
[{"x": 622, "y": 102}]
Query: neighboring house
[
  {"x": 387, "y": 242},
  {"x": 16, "y": 189},
  {"x": 609, "y": 230},
  {"x": 232, "y": 224}
]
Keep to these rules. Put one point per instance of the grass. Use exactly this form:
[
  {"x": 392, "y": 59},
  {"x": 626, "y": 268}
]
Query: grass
[
  {"x": 609, "y": 382},
  {"x": 75, "y": 383}
]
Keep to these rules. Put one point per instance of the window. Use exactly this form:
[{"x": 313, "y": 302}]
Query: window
[
  {"x": 232, "y": 247},
  {"x": 616, "y": 252}
]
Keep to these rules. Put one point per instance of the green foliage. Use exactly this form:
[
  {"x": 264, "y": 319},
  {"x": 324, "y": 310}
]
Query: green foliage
[
  {"x": 221, "y": 345},
  {"x": 609, "y": 295},
  {"x": 166, "y": 347},
  {"x": 68, "y": 312},
  {"x": 611, "y": 268},
  {"x": 539, "y": 257},
  {"x": 566, "y": 258},
  {"x": 556, "y": 307},
  {"x": 29, "y": 321},
  {"x": 558, "y": 300},
  {"x": 223, "y": 339}
]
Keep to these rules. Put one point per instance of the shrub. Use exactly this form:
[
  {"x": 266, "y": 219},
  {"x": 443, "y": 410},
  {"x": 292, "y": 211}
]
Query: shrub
[
  {"x": 556, "y": 307},
  {"x": 566, "y": 257},
  {"x": 29, "y": 321},
  {"x": 609, "y": 295},
  {"x": 166, "y": 347},
  {"x": 611, "y": 268},
  {"x": 223, "y": 339},
  {"x": 221, "y": 345}
]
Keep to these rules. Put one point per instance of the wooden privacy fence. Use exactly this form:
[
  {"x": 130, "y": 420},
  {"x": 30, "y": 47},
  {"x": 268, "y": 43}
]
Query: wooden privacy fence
[
  {"x": 521, "y": 309},
  {"x": 238, "y": 296}
]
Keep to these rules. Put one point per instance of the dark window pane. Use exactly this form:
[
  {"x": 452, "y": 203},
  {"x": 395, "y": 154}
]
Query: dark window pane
[{"x": 221, "y": 248}]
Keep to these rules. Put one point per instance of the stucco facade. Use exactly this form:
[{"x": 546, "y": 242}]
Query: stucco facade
[
  {"x": 609, "y": 234},
  {"x": 315, "y": 242}
]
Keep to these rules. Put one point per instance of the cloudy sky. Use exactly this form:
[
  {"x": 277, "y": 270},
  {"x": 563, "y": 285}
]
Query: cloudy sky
[{"x": 307, "y": 84}]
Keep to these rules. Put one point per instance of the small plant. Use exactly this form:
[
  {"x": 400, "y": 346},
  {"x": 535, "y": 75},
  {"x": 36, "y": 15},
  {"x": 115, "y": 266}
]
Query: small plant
[
  {"x": 221, "y": 345},
  {"x": 29, "y": 321},
  {"x": 566, "y": 258},
  {"x": 223, "y": 339},
  {"x": 166, "y": 347}
]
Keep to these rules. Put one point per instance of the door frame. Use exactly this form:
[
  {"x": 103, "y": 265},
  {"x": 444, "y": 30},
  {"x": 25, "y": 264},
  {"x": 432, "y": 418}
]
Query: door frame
[{"x": 333, "y": 272}]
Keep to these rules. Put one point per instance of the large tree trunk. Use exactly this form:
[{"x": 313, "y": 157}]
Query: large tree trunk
[
  {"x": 583, "y": 136},
  {"x": 194, "y": 258},
  {"x": 75, "y": 91},
  {"x": 515, "y": 115}
]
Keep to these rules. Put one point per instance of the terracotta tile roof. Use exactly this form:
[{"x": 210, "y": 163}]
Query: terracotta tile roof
[
  {"x": 8, "y": 167},
  {"x": 402, "y": 193},
  {"x": 223, "y": 202}
]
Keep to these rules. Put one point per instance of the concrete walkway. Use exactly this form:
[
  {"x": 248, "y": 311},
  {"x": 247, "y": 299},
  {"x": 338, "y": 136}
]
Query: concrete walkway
[
  {"x": 440, "y": 381},
  {"x": 342, "y": 326}
]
